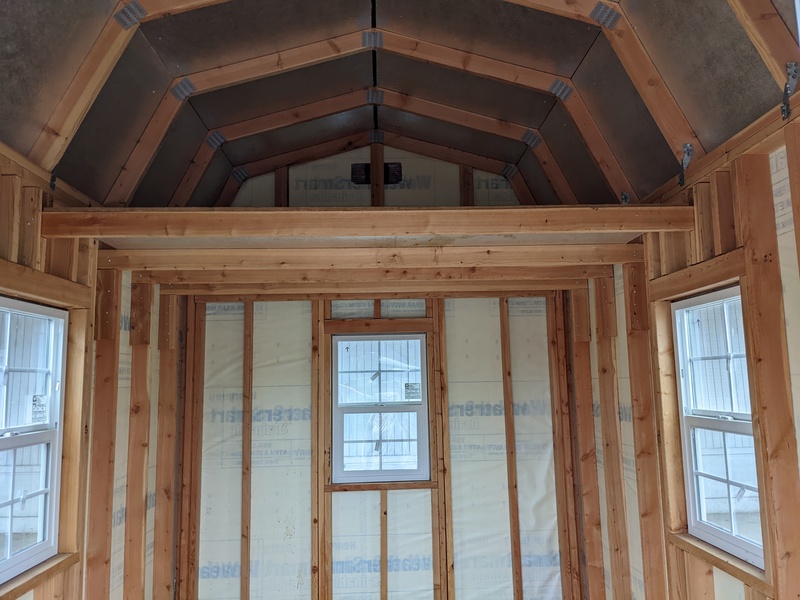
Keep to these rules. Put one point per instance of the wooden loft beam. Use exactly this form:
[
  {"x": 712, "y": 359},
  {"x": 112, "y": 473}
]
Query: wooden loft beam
[
  {"x": 640, "y": 68},
  {"x": 371, "y": 258},
  {"x": 212, "y": 79},
  {"x": 354, "y": 223},
  {"x": 423, "y": 274},
  {"x": 769, "y": 34},
  {"x": 92, "y": 75},
  {"x": 342, "y": 290}
]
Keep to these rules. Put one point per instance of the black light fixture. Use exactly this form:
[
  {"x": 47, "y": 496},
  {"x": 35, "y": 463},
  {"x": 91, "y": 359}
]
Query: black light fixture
[{"x": 361, "y": 173}]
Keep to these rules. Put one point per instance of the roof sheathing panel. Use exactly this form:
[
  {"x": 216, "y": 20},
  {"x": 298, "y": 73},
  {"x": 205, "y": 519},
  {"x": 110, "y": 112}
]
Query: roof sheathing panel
[
  {"x": 172, "y": 160},
  {"x": 493, "y": 28},
  {"x": 214, "y": 179},
  {"x": 283, "y": 91},
  {"x": 296, "y": 137},
  {"x": 115, "y": 121},
  {"x": 624, "y": 120},
  {"x": 450, "y": 135},
  {"x": 708, "y": 63},
  {"x": 572, "y": 155},
  {"x": 43, "y": 44},
  {"x": 233, "y": 31},
  {"x": 462, "y": 90}
]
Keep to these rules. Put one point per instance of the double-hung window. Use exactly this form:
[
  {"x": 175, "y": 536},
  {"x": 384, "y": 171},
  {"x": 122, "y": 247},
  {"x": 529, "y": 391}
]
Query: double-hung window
[
  {"x": 380, "y": 408},
  {"x": 716, "y": 426},
  {"x": 32, "y": 345}
]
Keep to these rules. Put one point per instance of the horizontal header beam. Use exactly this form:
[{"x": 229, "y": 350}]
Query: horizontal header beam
[
  {"x": 288, "y": 259},
  {"x": 360, "y": 223}
]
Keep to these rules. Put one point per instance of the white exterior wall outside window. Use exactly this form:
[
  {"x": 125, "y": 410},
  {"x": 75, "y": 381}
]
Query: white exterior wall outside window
[
  {"x": 717, "y": 429},
  {"x": 380, "y": 408},
  {"x": 32, "y": 347}
]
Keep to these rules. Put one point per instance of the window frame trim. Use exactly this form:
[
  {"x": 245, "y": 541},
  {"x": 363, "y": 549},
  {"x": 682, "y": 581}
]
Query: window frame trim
[
  {"x": 691, "y": 419},
  {"x": 53, "y": 434},
  {"x": 421, "y": 408}
]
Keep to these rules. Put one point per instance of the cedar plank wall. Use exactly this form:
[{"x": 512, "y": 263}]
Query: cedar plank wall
[
  {"x": 734, "y": 242},
  {"x": 63, "y": 275}
]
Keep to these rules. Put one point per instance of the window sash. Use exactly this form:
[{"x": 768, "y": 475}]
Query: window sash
[
  {"x": 417, "y": 407},
  {"x": 722, "y": 421},
  {"x": 47, "y": 433}
]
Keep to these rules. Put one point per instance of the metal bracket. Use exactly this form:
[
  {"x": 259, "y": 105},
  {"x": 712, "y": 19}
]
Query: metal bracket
[
  {"x": 510, "y": 171},
  {"x": 215, "y": 140},
  {"x": 372, "y": 39},
  {"x": 792, "y": 72},
  {"x": 532, "y": 139},
  {"x": 688, "y": 153},
  {"x": 626, "y": 198},
  {"x": 183, "y": 89},
  {"x": 240, "y": 174},
  {"x": 132, "y": 14},
  {"x": 605, "y": 16},
  {"x": 561, "y": 90},
  {"x": 376, "y": 136},
  {"x": 374, "y": 96},
  {"x": 52, "y": 181}
]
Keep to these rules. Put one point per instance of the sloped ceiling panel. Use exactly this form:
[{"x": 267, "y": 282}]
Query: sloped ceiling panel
[
  {"x": 213, "y": 181},
  {"x": 624, "y": 120},
  {"x": 537, "y": 181},
  {"x": 172, "y": 160},
  {"x": 786, "y": 9},
  {"x": 234, "y": 31},
  {"x": 708, "y": 63},
  {"x": 495, "y": 28},
  {"x": 42, "y": 44},
  {"x": 115, "y": 122},
  {"x": 296, "y": 137},
  {"x": 449, "y": 135},
  {"x": 573, "y": 157},
  {"x": 462, "y": 90},
  {"x": 287, "y": 90}
]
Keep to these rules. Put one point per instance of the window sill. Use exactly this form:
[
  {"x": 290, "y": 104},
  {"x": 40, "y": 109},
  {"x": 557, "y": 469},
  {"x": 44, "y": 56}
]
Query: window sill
[
  {"x": 735, "y": 567},
  {"x": 32, "y": 578}
]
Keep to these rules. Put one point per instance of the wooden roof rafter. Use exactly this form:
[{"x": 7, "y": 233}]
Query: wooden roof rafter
[
  {"x": 348, "y": 44},
  {"x": 637, "y": 63},
  {"x": 93, "y": 73},
  {"x": 352, "y": 100},
  {"x": 430, "y": 150}
]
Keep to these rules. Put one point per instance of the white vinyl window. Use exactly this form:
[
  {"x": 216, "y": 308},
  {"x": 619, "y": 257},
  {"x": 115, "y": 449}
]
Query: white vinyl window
[
  {"x": 716, "y": 427},
  {"x": 32, "y": 346},
  {"x": 380, "y": 408}
]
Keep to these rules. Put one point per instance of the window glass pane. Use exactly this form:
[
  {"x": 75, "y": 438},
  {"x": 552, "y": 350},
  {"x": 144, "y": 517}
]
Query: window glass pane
[
  {"x": 6, "y": 458},
  {"x": 711, "y": 385},
  {"x": 380, "y": 441},
  {"x": 27, "y": 399},
  {"x": 373, "y": 372},
  {"x": 29, "y": 507},
  {"x": 706, "y": 330},
  {"x": 5, "y": 523},
  {"x": 712, "y": 500},
  {"x": 736, "y": 325},
  {"x": 29, "y": 345},
  {"x": 710, "y": 452},
  {"x": 746, "y": 515},
  {"x": 741, "y": 459},
  {"x": 741, "y": 387}
]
